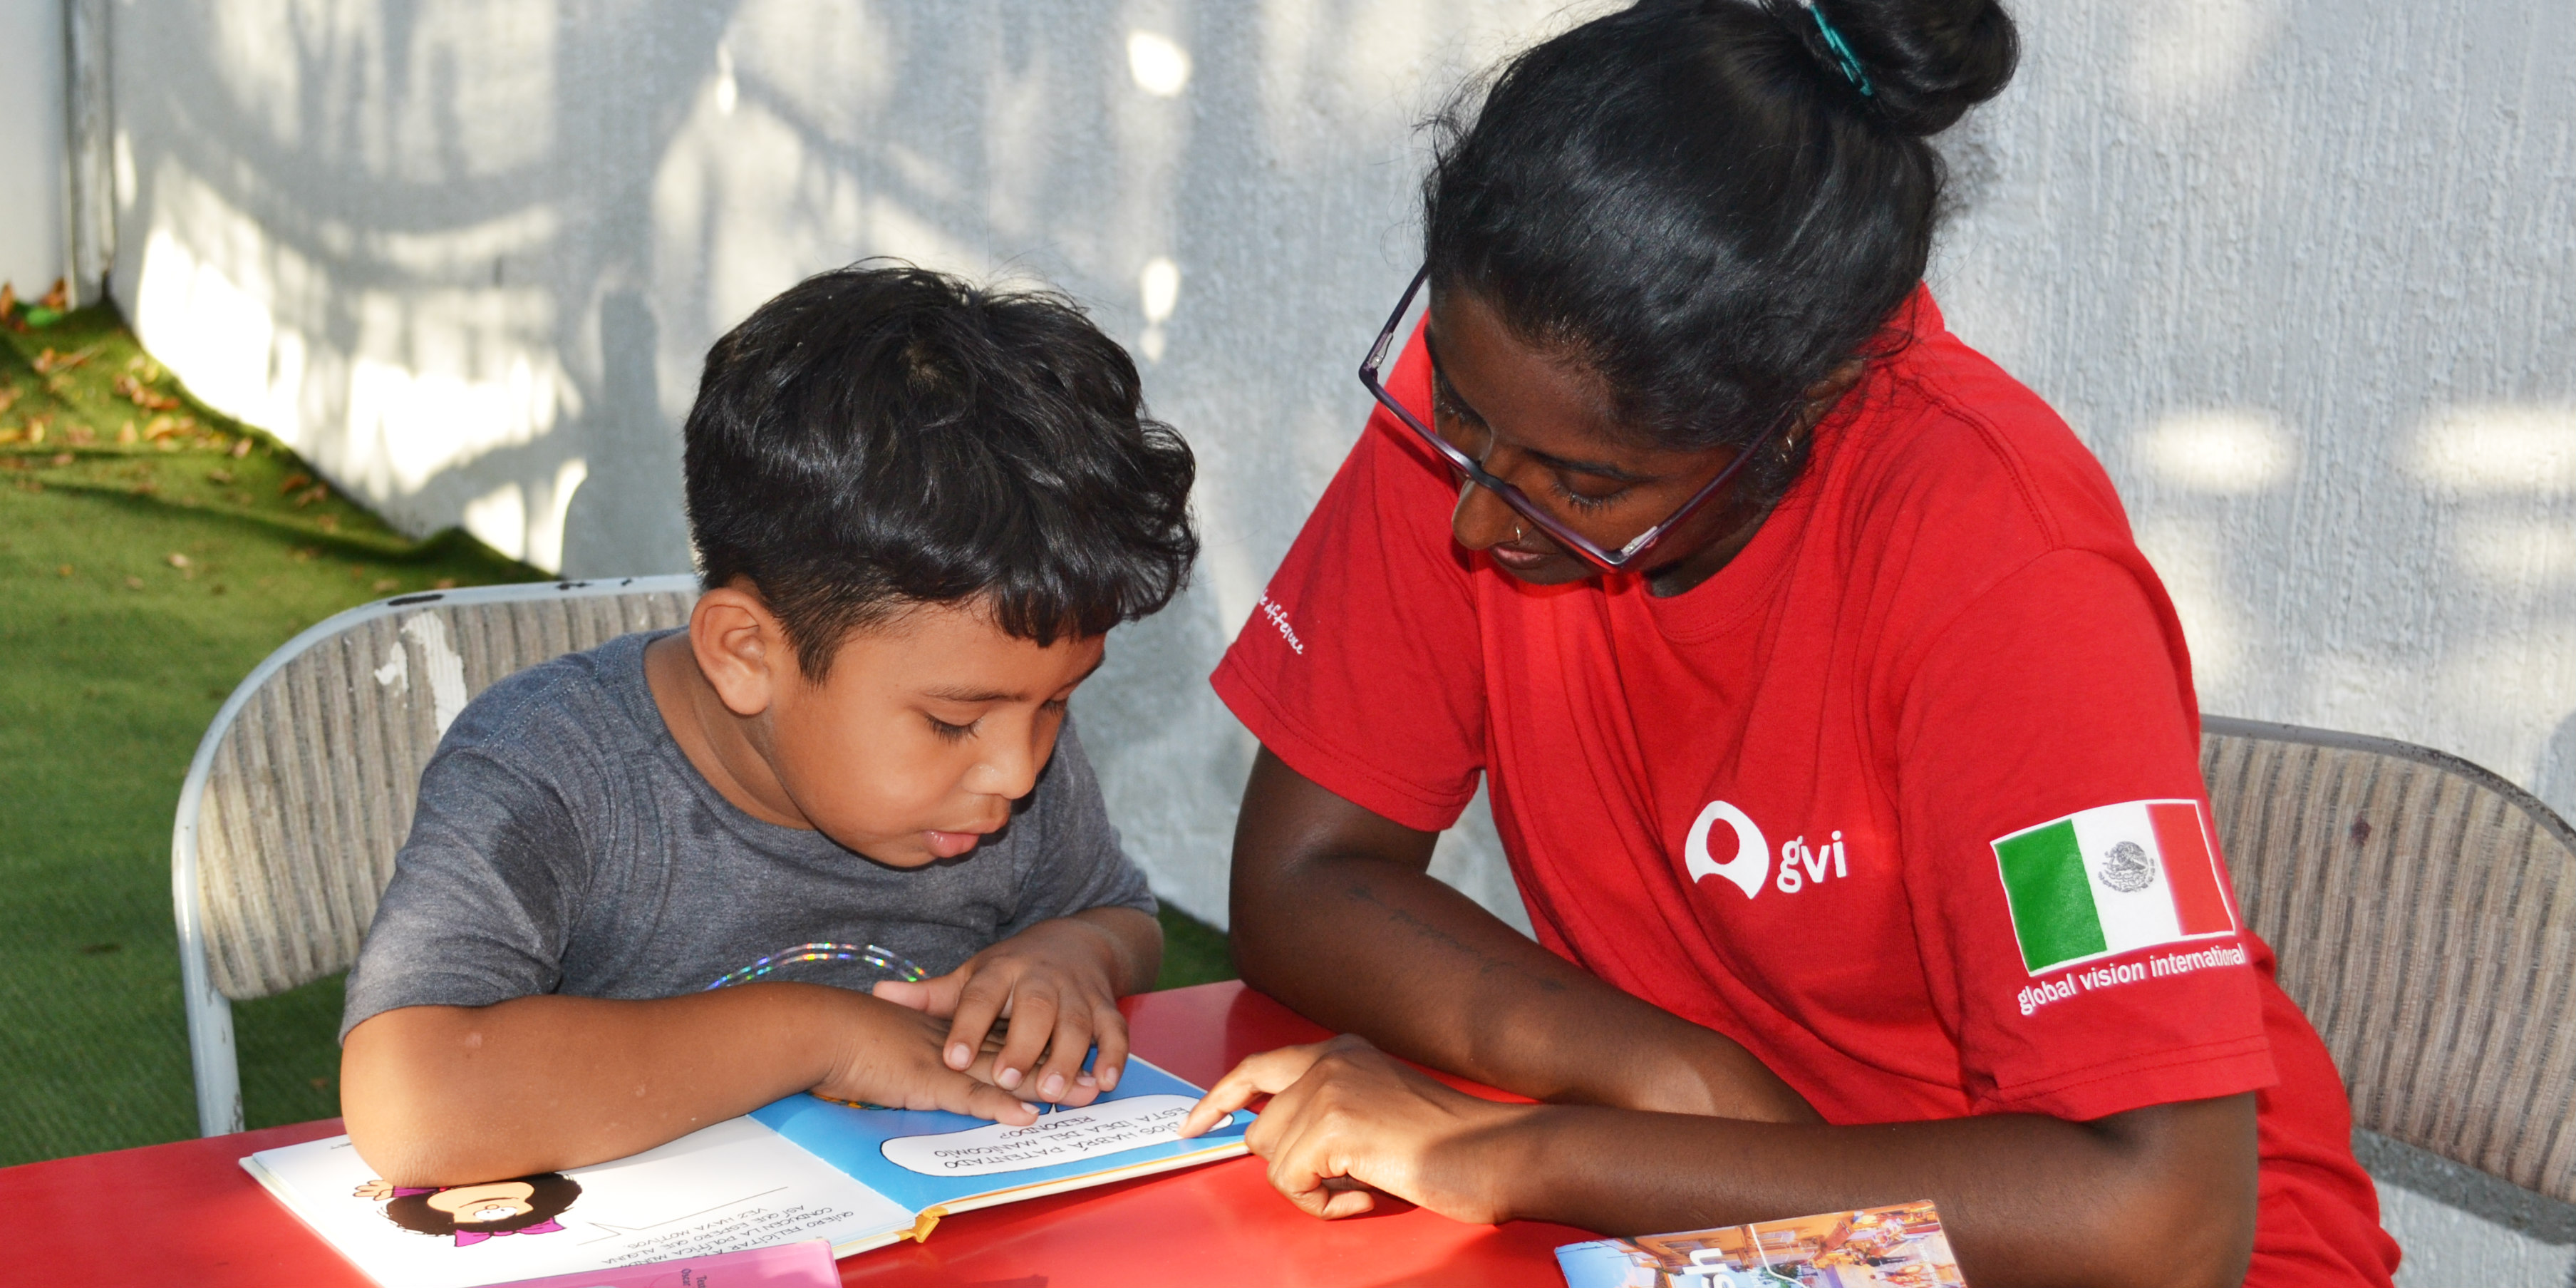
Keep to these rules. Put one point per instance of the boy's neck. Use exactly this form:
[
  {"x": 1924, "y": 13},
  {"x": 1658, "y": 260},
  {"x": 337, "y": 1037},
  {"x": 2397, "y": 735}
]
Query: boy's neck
[{"x": 717, "y": 742}]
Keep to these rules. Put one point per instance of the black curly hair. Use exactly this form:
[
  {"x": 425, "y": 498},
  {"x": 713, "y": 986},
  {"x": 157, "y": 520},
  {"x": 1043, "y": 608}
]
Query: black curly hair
[{"x": 882, "y": 436}]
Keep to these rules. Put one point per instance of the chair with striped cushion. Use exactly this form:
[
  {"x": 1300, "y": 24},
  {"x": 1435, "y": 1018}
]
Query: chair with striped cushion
[
  {"x": 2424, "y": 913},
  {"x": 302, "y": 789}
]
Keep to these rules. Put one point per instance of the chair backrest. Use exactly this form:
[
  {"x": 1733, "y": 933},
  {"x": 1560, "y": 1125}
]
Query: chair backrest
[
  {"x": 2424, "y": 913},
  {"x": 302, "y": 790}
]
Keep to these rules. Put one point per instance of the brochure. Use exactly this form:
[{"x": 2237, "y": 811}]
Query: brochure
[
  {"x": 789, "y": 1265},
  {"x": 798, "y": 1169},
  {"x": 1883, "y": 1247}
]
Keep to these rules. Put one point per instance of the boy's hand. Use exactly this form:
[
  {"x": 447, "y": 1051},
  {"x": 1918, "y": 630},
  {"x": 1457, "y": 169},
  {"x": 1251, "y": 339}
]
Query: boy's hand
[
  {"x": 1057, "y": 982},
  {"x": 891, "y": 1057}
]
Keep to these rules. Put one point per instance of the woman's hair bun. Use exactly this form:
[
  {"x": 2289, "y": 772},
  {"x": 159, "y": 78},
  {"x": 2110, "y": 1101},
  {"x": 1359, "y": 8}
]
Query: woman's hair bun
[{"x": 1926, "y": 61}]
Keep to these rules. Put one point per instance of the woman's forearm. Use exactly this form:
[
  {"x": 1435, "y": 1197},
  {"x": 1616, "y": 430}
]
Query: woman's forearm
[
  {"x": 450, "y": 1095},
  {"x": 1335, "y": 914},
  {"x": 2163, "y": 1195}
]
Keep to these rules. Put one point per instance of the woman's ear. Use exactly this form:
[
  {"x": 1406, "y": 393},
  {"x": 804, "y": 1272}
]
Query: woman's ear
[{"x": 741, "y": 648}]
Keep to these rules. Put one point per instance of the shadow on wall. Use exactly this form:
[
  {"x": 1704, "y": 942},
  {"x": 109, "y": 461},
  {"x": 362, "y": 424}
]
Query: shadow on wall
[
  {"x": 468, "y": 255},
  {"x": 403, "y": 237}
]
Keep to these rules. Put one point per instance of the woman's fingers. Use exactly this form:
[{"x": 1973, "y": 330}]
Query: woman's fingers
[
  {"x": 1266, "y": 1074},
  {"x": 1314, "y": 1150}
]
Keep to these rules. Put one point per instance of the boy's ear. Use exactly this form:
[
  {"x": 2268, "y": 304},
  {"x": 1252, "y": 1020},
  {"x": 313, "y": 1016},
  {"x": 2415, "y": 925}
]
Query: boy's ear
[{"x": 741, "y": 648}]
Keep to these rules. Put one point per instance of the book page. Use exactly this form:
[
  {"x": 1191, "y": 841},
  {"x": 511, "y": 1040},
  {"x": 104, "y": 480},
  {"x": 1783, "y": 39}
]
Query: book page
[
  {"x": 925, "y": 1159},
  {"x": 728, "y": 1187}
]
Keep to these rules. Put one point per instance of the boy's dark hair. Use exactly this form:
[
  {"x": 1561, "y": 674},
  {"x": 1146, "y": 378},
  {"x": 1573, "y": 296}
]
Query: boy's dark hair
[
  {"x": 882, "y": 436},
  {"x": 553, "y": 1193},
  {"x": 1704, "y": 203}
]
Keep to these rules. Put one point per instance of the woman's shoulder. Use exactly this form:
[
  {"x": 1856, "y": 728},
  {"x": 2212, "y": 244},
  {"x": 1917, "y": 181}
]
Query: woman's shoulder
[{"x": 1952, "y": 448}]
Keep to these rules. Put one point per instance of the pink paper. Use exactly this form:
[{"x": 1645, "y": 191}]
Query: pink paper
[{"x": 790, "y": 1265}]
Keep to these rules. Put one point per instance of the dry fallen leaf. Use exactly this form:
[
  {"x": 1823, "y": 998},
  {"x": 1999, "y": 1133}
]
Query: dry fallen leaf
[
  {"x": 294, "y": 481},
  {"x": 61, "y": 459},
  {"x": 144, "y": 396},
  {"x": 50, "y": 361},
  {"x": 134, "y": 583},
  {"x": 384, "y": 584},
  {"x": 59, "y": 298},
  {"x": 125, "y": 435},
  {"x": 219, "y": 475},
  {"x": 80, "y": 436},
  {"x": 178, "y": 560},
  {"x": 328, "y": 523},
  {"x": 241, "y": 448},
  {"x": 64, "y": 571},
  {"x": 444, "y": 583}
]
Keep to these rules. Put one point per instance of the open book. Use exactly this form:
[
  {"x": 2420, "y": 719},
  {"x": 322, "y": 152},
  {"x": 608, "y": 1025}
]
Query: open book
[{"x": 800, "y": 1168}]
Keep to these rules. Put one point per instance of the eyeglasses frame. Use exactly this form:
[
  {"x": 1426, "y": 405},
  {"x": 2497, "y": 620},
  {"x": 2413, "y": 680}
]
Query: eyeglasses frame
[{"x": 1474, "y": 471}]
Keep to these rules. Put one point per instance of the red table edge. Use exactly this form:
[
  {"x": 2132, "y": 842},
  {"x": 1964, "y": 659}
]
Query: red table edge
[{"x": 1196, "y": 1033}]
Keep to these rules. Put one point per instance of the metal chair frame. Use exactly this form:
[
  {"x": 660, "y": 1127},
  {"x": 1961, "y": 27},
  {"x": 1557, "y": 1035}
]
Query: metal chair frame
[{"x": 209, "y": 1011}]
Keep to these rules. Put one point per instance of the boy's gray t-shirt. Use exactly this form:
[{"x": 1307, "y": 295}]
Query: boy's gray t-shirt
[{"x": 565, "y": 844}]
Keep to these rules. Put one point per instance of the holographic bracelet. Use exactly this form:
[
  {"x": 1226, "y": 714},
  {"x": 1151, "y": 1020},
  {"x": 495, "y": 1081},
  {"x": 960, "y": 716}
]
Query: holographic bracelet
[{"x": 884, "y": 959}]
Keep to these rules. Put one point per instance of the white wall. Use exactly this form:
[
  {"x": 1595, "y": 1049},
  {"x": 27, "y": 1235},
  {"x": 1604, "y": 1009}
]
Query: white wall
[
  {"x": 2303, "y": 273},
  {"x": 31, "y": 145},
  {"x": 2300, "y": 270}
]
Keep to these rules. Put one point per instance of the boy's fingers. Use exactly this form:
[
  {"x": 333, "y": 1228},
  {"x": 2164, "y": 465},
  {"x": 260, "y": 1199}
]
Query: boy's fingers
[
  {"x": 1033, "y": 1015},
  {"x": 964, "y": 1095},
  {"x": 979, "y": 1003},
  {"x": 1061, "y": 1079},
  {"x": 901, "y": 993},
  {"x": 1111, "y": 1035},
  {"x": 939, "y": 993}
]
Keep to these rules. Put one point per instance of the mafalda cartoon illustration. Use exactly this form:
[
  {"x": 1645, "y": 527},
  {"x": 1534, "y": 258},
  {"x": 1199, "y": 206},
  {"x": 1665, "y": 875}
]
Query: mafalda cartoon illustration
[{"x": 473, "y": 1213}]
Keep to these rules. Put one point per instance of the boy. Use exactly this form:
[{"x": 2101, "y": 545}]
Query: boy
[{"x": 645, "y": 882}]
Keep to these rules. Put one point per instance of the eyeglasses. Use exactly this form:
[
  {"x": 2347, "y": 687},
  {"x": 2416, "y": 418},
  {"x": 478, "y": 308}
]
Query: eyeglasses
[{"x": 1472, "y": 470}]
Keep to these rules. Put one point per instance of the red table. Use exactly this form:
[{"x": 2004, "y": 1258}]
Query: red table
[{"x": 187, "y": 1213}]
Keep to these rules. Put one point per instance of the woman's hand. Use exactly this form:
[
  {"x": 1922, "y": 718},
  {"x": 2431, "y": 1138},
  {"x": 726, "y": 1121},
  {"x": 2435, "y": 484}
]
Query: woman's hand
[{"x": 1346, "y": 1120}]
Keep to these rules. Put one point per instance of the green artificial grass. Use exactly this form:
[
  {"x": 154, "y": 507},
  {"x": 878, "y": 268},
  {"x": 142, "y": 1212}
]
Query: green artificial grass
[
  {"x": 142, "y": 580},
  {"x": 144, "y": 574},
  {"x": 1193, "y": 952}
]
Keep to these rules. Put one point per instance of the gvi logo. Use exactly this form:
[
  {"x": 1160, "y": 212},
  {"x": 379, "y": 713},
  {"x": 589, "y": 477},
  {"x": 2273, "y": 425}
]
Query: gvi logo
[{"x": 1752, "y": 861}]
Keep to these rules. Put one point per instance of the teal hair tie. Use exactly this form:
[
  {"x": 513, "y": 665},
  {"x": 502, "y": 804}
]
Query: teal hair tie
[{"x": 1842, "y": 50}]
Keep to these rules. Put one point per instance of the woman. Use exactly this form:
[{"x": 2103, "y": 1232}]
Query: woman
[{"x": 1842, "y": 743}]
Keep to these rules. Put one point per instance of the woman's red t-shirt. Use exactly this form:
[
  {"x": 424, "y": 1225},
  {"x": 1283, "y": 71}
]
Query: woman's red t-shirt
[{"x": 1943, "y": 637}]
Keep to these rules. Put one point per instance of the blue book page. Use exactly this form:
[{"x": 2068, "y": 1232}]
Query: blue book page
[{"x": 923, "y": 1158}]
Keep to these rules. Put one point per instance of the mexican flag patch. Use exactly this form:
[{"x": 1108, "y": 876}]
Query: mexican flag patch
[{"x": 2110, "y": 880}]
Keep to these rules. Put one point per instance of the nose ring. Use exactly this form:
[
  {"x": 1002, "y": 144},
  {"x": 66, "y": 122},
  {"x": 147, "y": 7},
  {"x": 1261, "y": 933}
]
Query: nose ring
[{"x": 1516, "y": 532}]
